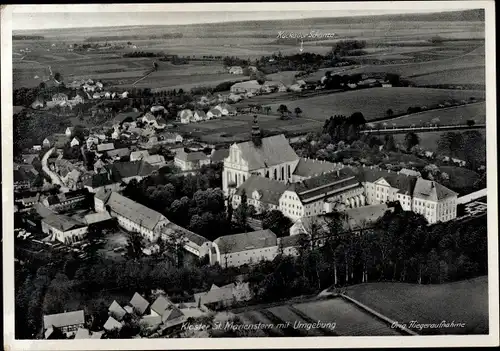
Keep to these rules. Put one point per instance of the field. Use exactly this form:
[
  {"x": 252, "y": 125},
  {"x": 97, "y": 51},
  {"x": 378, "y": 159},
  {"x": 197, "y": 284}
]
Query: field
[
  {"x": 373, "y": 102},
  {"x": 344, "y": 317},
  {"x": 237, "y": 128},
  {"x": 351, "y": 320},
  {"x": 462, "y": 302},
  {"x": 428, "y": 140},
  {"x": 464, "y": 77},
  {"x": 452, "y": 115}
]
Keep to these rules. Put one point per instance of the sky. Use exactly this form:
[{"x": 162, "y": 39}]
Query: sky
[{"x": 48, "y": 20}]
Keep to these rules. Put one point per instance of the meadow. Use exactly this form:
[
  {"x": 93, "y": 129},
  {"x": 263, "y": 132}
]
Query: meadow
[
  {"x": 430, "y": 303},
  {"x": 474, "y": 75},
  {"x": 428, "y": 140},
  {"x": 373, "y": 102},
  {"x": 449, "y": 115}
]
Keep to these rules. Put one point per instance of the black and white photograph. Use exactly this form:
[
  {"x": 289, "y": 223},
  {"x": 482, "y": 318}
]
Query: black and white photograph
[{"x": 208, "y": 172}]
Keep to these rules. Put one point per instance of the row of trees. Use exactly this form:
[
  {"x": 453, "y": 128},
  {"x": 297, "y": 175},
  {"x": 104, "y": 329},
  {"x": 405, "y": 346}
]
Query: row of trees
[{"x": 342, "y": 128}]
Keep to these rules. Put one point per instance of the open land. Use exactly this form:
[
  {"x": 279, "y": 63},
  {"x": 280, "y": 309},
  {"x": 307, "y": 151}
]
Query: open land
[
  {"x": 429, "y": 303},
  {"x": 373, "y": 103}
]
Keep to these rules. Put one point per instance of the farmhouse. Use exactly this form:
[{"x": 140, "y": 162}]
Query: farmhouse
[
  {"x": 63, "y": 228},
  {"x": 170, "y": 138},
  {"x": 74, "y": 142},
  {"x": 190, "y": 161},
  {"x": 245, "y": 248},
  {"x": 235, "y": 97},
  {"x": 105, "y": 147},
  {"x": 186, "y": 116},
  {"x": 236, "y": 70},
  {"x": 224, "y": 296},
  {"x": 270, "y": 86},
  {"x": 199, "y": 116},
  {"x": 138, "y": 155},
  {"x": 251, "y": 86},
  {"x": 214, "y": 113},
  {"x": 57, "y": 140},
  {"x": 155, "y": 160}
]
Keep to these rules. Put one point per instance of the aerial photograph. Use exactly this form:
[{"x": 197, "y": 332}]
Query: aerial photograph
[{"x": 253, "y": 174}]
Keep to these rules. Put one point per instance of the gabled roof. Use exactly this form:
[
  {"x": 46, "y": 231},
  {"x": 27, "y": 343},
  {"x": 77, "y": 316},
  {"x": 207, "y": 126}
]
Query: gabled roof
[
  {"x": 311, "y": 168},
  {"x": 214, "y": 296},
  {"x": 137, "y": 155},
  {"x": 122, "y": 170},
  {"x": 200, "y": 113},
  {"x": 269, "y": 190},
  {"x": 191, "y": 156},
  {"x": 97, "y": 217},
  {"x": 139, "y": 303},
  {"x": 194, "y": 238},
  {"x": 119, "y": 152},
  {"x": 186, "y": 113},
  {"x": 405, "y": 183},
  {"x": 96, "y": 335},
  {"x": 134, "y": 211},
  {"x": 111, "y": 324},
  {"x": 154, "y": 159},
  {"x": 116, "y": 310},
  {"x": 219, "y": 155},
  {"x": 62, "y": 223},
  {"x": 64, "y": 319},
  {"x": 105, "y": 147},
  {"x": 151, "y": 321},
  {"x": 160, "y": 305},
  {"x": 430, "y": 190},
  {"x": 273, "y": 151},
  {"x": 82, "y": 333},
  {"x": 215, "y": 111},
  {"x": 98, "y": 180},
  {"x": 124, "y": 116},
  {"x": 246, "y": 241},
  {"x": 291, "y": 240},
  {"x": 171, "y": 313}
]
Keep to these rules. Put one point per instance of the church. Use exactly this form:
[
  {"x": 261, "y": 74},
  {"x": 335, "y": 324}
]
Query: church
[{"x": 271, "y": 157}]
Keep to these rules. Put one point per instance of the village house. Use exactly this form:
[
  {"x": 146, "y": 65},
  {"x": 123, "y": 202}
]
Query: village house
[
  {"x": 91, "y": 141},
  {"x": 105, "y": 147},
  {"x": 63, "y": 228},
  {"x": 245, "y": 248},
  {"x": 214, "y": 113},
  {"x": 170, "y": 138},
  {"x": 68, "y": 323},
  {"x": 74, "y": 142},
  {"x": 57, "y": 140},
  {"x": 69, "y": 131},
  {"x": 186, "y": 116},
  {"x": 235, "y": 70},
  {"x": 155, "y": 160},
  {"x": 224, "y": 296},
  {"x": 190, "y": 161},
  {"x": 63, "y": 201},
  {"x": 244, "y": 87},
  {"x": 59, "y": 98},
  {"x": 102, "y": 181},
  {"x": 199, "y": 116},
  {"x": 116, "y": 154},
  {"x": 169, "y": 313},
  {"x": 234, "y": 97},
  {"x": 271, "y": 86},
  {"x": 138, "y": 155}
]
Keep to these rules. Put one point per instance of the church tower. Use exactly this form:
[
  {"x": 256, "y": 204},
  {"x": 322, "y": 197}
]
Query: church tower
[{"x": 256, "y": 133}]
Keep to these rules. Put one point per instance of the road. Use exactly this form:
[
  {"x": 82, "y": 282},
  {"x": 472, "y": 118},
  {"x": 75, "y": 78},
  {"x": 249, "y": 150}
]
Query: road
[
  {"x": 54, "y": 178},
  {"x": 403, "y": 130}
]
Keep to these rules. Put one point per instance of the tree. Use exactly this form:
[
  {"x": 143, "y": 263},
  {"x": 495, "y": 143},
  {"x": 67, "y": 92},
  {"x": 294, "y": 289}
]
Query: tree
[
  {"x": 389, "y": 113},
  {"x": 174, "y": 244},
  {"x": 241, "y": 213},
  {"x": 282, "y": 109},
  {"x": 470, "y": 122},
  {"x": 134, "y": 245},
  {"x": 58, "y": 76},
  {"x": 298, "y": 111},
  {"x": 277, "y": 222},
  {"x": 411, "y": 140},
  {"x": 389, "y": 143}
]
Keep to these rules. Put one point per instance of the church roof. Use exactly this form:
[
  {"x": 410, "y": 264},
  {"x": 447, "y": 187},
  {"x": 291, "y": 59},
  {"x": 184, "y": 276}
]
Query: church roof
[{"x": 274, "y": 150}]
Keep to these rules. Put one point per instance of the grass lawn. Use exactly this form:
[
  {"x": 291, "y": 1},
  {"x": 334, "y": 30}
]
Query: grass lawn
[
  {"x": 460, "y": 178},
  {"x": 463, "y": 302},
  {"x": 373, "y": 102}
]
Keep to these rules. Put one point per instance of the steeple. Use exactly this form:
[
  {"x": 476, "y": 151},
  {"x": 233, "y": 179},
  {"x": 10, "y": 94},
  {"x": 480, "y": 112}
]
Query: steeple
[{"x": 256, "y": 134}]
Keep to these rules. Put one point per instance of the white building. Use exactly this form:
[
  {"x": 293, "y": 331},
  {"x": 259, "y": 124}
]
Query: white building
[
  {"x": 63, "y": 228},
  {"x": 244, "y": 87},
  {"x": 190, "y": 161},
  {"x": 186, "y": 116},
  {"x": 245, "y": 248}
]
